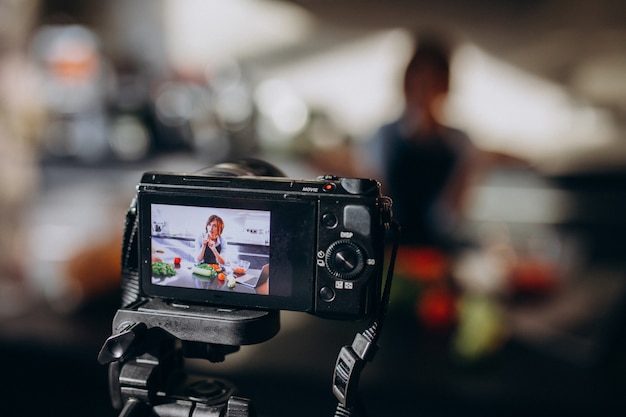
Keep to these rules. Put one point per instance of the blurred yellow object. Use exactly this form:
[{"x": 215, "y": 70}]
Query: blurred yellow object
[{"x": 481, "y": 327}]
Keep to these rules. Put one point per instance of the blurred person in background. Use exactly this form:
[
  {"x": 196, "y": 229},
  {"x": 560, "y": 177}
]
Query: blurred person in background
[
  {"x": 424, "y": 165},
  {"x": 427, "y": 168}
]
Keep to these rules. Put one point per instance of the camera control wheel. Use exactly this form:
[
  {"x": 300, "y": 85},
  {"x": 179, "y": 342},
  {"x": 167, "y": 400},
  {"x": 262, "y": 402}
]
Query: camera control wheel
[{"x": 345, "y": 259}]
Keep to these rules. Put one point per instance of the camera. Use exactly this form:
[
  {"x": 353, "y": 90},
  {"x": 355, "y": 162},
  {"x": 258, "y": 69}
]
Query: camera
[
  {"x": 211, "y": 258},
  {"x": 226, "y": 238}
]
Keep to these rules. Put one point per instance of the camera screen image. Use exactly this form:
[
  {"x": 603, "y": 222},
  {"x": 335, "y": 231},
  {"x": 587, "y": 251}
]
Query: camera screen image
[
  {"x": 227, "y": 250},
  {"x": 210, "y": 248}
]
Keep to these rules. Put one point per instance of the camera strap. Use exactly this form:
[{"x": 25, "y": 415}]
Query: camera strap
[
  {"x": 130, "y": 257},
  {"x": 352, "y": 359}
]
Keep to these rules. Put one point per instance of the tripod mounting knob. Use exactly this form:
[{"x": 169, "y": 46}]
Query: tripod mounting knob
[{"x": 120, "y": 345}]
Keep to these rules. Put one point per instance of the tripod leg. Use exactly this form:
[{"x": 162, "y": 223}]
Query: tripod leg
[
  {"x": 134, "y": 408},
  {"x": 356, "y": 410},
  {"x": 240, "y": 407}
]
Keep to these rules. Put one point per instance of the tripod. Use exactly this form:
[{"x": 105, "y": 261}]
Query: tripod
[{"x": 151, "y": 338}]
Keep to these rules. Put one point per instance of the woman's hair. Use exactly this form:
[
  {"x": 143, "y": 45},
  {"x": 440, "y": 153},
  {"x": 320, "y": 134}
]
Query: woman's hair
[
  {"x": 218, "y": 220},
  {"x": 433, "y": 55}
]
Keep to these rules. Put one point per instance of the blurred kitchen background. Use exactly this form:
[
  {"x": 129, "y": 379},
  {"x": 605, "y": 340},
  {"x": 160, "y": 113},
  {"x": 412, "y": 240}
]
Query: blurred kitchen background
[{"x": 529, "y": 319}]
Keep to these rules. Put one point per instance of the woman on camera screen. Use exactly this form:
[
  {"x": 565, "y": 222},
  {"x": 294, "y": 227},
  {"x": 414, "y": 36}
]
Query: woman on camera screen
[{"x": 210, "y": 244}]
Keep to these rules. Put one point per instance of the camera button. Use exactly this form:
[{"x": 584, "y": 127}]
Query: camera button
[
  {"x": 327, "y": 294},
  {"x": 329, "y": 220},
  {"x": 329, "y": 186}
]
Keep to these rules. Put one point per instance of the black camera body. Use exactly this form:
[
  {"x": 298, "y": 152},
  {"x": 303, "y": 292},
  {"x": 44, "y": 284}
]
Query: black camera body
[{"x": 315, "y": 246}]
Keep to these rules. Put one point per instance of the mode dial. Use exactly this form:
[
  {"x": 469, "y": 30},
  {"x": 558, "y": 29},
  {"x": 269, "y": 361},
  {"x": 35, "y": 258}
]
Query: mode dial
[{"x": 345, "y": 259}]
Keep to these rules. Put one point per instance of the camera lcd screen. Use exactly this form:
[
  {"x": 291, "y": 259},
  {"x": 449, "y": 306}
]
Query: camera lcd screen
[{"x": 228, "y": 251}]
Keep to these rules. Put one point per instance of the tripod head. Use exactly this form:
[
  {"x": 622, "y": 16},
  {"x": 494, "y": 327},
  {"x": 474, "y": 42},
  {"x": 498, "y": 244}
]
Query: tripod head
[{"x": 146, "y": 353}]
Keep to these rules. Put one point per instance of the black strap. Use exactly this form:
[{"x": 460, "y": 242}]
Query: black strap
[
  {"x": 352, "y": 359},
  {"x": 130, "y": 257}
]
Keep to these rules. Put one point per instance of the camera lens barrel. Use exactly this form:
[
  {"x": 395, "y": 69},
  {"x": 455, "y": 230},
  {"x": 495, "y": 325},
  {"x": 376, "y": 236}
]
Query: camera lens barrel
[{"x": 247, "y": 167}]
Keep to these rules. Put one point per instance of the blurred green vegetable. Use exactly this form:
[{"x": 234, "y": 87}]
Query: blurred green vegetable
[
  {"x": 163, "y": 269},
  {"x": 206, "y": 270}
]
